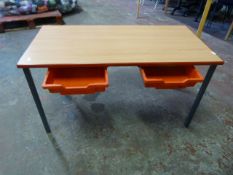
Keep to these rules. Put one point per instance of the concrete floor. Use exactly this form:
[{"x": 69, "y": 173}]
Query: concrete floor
[{"x": 129, "y": 129}]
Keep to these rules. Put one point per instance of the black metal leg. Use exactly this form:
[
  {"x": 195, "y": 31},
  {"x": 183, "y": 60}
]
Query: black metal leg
[
  {"x": 36, "y": 98},
  {"x": 212, "y": 15},
  {"x": 199, "y": 95},
  {"x": 177, "y": 7},
  {"x": 200, "y": 10}
]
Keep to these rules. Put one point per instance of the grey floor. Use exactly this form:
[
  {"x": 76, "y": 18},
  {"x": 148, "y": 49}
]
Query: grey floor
[{"x": 129, "y": 129}]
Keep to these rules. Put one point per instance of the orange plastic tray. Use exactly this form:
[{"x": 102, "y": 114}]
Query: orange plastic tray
[
  {"x": 76, "y": 80},
  {"x": 170, "y": 77}
]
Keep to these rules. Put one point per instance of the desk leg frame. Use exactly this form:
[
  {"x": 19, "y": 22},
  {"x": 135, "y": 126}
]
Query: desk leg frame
[
  {"x": 36, "y": 98},
  {"x": 200, "y": 95},
  {"x": 187, "y": 122}
]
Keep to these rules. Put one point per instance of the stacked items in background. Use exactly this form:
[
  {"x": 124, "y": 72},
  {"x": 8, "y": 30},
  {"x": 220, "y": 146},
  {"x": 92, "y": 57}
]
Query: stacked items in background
[{"x": 24, "y": 7}]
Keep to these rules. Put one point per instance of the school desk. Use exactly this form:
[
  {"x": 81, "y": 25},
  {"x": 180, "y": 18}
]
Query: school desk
[{"x": 97, "y": 47}]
